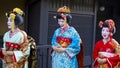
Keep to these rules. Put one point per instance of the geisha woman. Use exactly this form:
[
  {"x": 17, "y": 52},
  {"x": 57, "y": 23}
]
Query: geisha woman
[
  {"x": 106, "y": 50},
  {"x": 15, "y": 48},
  {"x": 65, "y": 41}
]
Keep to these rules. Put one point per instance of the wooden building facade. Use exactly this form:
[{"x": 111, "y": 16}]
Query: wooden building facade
[
  {"x": 83, "y": 19},
  {"x": 40, "y": 24}
]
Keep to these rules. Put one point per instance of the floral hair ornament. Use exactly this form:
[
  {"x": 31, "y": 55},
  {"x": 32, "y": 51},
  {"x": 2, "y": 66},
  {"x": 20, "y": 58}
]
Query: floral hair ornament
[
  {"x": 101, "y": 24},
  {"x": 63, "y": 9},
  {"x": 18, "y": 11},
  {"x": 110, "y": 22},
  {"x": 12, "y": 15},
  {"x": 111, "y": 25},
  {"x": 64, "y": 18}
]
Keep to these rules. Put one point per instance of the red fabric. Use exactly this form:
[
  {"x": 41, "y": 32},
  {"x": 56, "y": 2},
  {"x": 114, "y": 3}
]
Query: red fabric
[
  {"x": 12, "y": 45},
  {"x": 51, "y": 51},
  {"x": 114, "y": 60},
  {"x": 25, "y": 39},
  {"x": 108, "y": 47},
  {"x": 80, "y": 57},
  {"x": 1, "y": 55},
  {"x": 64, "y": 41},
  {"x": 14, "y": 58}
]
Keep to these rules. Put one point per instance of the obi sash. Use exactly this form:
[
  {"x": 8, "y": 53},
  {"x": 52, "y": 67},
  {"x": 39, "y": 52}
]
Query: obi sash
[
  {"x": 12, "y": 46},
  {"x": 63, "y": 41}
]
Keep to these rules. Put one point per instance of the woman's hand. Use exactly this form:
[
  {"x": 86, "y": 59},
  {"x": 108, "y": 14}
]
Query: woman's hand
[
  {"x": 59, "y": 49},
  {"x": 10, "y": 53},
  {"x": 4, "y": 52},
  {"x": 101, "y": 60}
]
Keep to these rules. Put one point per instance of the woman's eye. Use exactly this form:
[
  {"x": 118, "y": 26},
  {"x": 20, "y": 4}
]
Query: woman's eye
[{"x": 9, "y": 19}]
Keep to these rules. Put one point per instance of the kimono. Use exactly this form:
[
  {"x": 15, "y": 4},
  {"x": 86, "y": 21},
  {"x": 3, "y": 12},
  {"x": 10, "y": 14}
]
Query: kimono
[
  {"x": 69, "y": 40},
  {"x": 21, "y": 51},
  {"x": 108, "y": 51}
]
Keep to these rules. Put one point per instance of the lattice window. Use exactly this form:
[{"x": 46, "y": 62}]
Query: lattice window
[{"x": 74, "y": 5}]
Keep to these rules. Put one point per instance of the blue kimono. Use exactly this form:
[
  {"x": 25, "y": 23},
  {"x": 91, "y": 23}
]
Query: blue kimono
[{"x": 68, "y": 58}]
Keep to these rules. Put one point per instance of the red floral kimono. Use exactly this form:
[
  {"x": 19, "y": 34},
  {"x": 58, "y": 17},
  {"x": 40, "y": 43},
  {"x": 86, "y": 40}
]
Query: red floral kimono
[{"x": 107, "y": 51}]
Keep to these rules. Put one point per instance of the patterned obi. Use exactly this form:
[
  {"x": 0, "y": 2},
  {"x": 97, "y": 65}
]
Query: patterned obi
[
  {"x": 63, "y": 41},
  {"x": 106, "y": 54},
  {"x": 12, "y": 46}
]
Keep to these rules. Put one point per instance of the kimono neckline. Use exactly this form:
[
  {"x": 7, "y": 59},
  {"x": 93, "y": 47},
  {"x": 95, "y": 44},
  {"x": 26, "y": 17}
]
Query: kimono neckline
[
  {"x": 65, "y": 31},
  {"x": 13, "y": 34}
]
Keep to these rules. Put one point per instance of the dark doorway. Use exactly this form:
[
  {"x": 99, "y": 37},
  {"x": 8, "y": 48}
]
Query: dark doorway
[{"x": 108, "y": 9}]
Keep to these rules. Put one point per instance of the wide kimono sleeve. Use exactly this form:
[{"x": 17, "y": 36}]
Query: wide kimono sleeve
[
  {"x": 19, "y": 54},
  {"x": 95, "y": 54},
  {"x": 54, "y": 41},
  {"x": 96, "y": 50},
  {"x": 74, "y": 48},
  {"x": 114, "y": 60}
]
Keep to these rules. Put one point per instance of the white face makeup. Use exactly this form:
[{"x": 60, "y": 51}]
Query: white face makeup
[
  {"x": 61, "y": 23},
  {"x": 9, "y": 23},
  {"x": 105, "y": 32}
]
